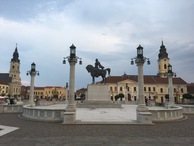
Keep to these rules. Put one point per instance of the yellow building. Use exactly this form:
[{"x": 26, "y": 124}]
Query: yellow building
[
  {"x": 57, "y": 91},
  {"x": 47, "y": 92},
  {"x": 155, "y": 87},
  {"x": 4, "y": 89}
]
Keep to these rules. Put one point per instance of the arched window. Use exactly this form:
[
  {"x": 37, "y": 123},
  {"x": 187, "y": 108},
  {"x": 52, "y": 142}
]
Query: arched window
[{"x": 13, "y": 66}]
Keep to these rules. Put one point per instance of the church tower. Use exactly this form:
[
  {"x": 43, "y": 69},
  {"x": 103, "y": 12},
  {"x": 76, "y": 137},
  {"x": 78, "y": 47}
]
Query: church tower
[
  {"x": 163, "y": 61},
  {"x": 14, "y": 73}
]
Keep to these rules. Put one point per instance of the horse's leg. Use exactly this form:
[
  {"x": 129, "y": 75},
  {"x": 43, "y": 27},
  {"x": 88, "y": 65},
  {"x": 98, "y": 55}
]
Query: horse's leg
[
  {"x": 93, "y": 80},
  {"x": 103, "y": 78}
]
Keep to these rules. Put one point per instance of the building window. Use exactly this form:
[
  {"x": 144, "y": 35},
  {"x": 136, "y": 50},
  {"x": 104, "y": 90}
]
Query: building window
[
  {"x": 110, "y": 88},
  {"x": 161, "y": 90},
  {"x": 181, "y": 90},
  {"x": 165, "y": 66},
  {"x": 149, "y": 88},
  {"x": 174, "y": 90},
  {"x": 115, "y": 88},
  {"x": 144, "y": 88},
  {"x": 135, "y": 89},
  {"x": 127, "y": 88},
  {"x": 121, "y": 89}
]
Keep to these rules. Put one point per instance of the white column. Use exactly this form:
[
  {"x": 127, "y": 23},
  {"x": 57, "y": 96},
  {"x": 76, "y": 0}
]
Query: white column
[
  {"x": 141, "y": 105},
  {"x": 170, "y": 90},
  {"x": 70, "y": 111},
  {"x": 31, "y": 98},
  {"x": 71, "y": 101}
]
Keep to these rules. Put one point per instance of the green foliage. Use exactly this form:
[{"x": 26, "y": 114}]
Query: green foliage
[
  {"x": 2, "y": 94},
  {"x": 187, "y": 96},
  {"x": 82, "y": 95},
  {"x": 55, "y": 93},
  {"x": 155, "y": 97},
  {"x": 167, "y": 96}
]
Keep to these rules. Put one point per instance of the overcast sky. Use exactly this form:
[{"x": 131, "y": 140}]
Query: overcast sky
[{"x": 109, "y": 30}]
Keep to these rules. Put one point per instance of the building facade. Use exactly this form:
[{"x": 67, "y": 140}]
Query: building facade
[
  {"x": 47, "y": 92},
  {"x": 155, "y": 87}
]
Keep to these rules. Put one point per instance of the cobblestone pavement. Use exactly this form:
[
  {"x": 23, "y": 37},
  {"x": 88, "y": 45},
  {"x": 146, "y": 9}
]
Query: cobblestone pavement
[{"x": 31, "y": 133}]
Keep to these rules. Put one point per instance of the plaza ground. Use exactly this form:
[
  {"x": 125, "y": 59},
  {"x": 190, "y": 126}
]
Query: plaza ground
[{"x": 31, "y": 133}]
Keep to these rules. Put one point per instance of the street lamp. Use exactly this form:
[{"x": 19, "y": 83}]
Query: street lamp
[
  {"x": 140, "y": 60},
  {"x": 126, "y": 92},
  {"x": 32, "y": 73},
  {"x": 170, "y": 85},
  {"x": 66, "y": 86},
  {"x": 70, "y": 112}
]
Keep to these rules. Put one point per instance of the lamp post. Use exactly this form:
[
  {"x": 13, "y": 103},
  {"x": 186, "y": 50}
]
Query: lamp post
[
  {"x": 32, "y": 73},
  {"x": 70, "y": 112},
  {"x": 66, "y": 86},
  {"x": 126, "y": 92},
  {"x": 140, "y": 60},
  {"x": 170, "y": 85}
]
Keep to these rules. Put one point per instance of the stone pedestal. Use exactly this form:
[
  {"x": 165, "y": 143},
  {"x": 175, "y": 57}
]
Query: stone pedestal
[
  {"x": 144, "y": 117},
  {"x": 69, "y": 117},
  {"x": 98, "y": 96}
]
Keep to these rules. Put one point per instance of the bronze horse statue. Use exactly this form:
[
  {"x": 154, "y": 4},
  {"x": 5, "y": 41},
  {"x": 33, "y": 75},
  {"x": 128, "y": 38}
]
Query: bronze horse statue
[{"x": 97, "y": 72}]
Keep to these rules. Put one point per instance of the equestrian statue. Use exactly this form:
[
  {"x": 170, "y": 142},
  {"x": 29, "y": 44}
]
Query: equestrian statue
[{"x": 97, "y": 70}]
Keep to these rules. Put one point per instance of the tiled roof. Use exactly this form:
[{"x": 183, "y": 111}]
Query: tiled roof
[
  {"x": 148, "y": 79},
  {"x": 53, "y": 87},
  {"x": 5, "y": 79},
  {"x": 39, "y": 88}
]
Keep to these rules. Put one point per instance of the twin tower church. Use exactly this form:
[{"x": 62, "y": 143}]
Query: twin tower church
[{"x": 154, "y": 85}]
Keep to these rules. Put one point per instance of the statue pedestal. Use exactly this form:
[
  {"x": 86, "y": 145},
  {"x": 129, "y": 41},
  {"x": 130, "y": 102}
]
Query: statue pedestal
[{"x": 98, "y": 96}]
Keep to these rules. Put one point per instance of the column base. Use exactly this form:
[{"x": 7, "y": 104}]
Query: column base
[
  {"x": 143, "y": 114},
  {"x": 142, "y": 108},
  {"x": 32, "y": 104},
  {"x": 144, "y": 117},
  {"x": 69, "y": 118},
  {"x": 69, "y": 114}
]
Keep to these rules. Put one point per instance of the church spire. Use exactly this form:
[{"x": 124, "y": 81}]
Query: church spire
[
  {"x": 15, "y": 55},
  {"x": 163, "y": 54}
]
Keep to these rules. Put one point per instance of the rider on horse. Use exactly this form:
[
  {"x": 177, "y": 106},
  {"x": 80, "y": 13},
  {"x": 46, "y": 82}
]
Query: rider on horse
[{"x": 98, "y": 65}]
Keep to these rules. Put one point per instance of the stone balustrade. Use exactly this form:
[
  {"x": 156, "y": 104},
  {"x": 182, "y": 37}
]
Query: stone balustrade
[
  {"x": 43, "y": 114},
  {"x": 16, "y": 108},
  {"x": 188, "y": 109},
  {"x": 168, "y": 114}
]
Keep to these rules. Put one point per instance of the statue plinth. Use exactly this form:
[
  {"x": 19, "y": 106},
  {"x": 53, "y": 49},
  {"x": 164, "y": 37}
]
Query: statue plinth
[{"x": 98, "y": 96}]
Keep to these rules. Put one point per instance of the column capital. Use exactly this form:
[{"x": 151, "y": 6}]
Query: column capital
[{"x": 72, "y": 60}]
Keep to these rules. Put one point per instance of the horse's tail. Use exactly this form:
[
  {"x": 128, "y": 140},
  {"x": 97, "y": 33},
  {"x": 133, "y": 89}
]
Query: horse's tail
[{"x": 108, "y": 70}]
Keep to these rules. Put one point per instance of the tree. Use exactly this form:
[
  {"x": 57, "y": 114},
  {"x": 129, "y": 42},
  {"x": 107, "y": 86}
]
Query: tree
[
  {"x": 55, "y": 93},
  {"x": 187, "y": 96},
  {"x": 167, "y": 97}
]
